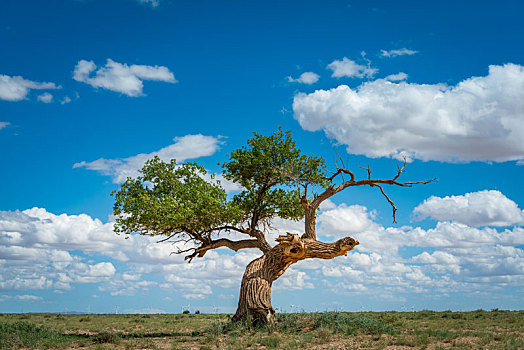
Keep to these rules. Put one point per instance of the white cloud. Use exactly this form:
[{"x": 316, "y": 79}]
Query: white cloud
[
  {"x": 46, "y": 97},
  {"x": 120, "y": 77},
  {"x": 184, "y": 147},
  {"x": 399, "y": 52},
  {"x": 153, "y": 3},
  {"x": 35, "y": 244},
  {"x": 39, "y": 250},
  {"x": 345, "y": 220},
  {"x": 305, "y": 78},
  {"x": 437, "y": 257},
  {"x": 479, "y": 119},
  {"x": 120, "y": 287},
  {"x": 483, "y": 208},
  {"x": 397, "y": 77},
  {"x": 327, "y": 204},
  {"x": 293, "y": 279},
  {"x": 455, "y": 257},
  {"x": 17, "y": 88},
  {"x": 144, "y": 311},
  {"x": 25, "y": 297},
  {"x": 65, "y": 100},
  {"x": 350, "y": 68},
  {"x": 456, "y": 235},
  {"x": 3, "y": 125}
]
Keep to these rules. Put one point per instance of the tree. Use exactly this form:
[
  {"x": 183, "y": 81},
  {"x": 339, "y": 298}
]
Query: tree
[{"x": 182, "y": 202}]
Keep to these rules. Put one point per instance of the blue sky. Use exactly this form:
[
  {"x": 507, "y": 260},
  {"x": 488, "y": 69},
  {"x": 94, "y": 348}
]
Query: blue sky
[{"x": 90, "y": 89}]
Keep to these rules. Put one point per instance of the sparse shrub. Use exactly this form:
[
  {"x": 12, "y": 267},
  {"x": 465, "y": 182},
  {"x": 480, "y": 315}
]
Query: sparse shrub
[
  {"x": 343, "y": 323},
  {"x": 105, "y": 337},
  {"x": 197, "y": 312},
  {"x": 185, "y": 312},
  {"x": 270, "y": 341},
  {"x": 22, "y": 334},
  {"x": 324, "y": 334},
  {"x": 216, "y": 328}
]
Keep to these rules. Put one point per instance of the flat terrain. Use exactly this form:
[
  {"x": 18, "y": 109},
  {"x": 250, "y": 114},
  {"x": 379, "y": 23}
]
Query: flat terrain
[{"x": 363, "y": 330}]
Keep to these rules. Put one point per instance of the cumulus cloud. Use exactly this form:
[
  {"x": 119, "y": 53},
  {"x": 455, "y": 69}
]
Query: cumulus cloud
[
  {"x": 483, "y": 208},
  {"x": 343, "y": 220},
  {"x": 398, "y": 52},
  {"x": 46, "y": 97},
  {"x": 184, "y": 147},
  {"x": 40, "y": 250},
  {"x": 120, "y": 77},
  {"x": 293, "y": 280},
  {"x": 437, "y": 257},
  {"x": 454, "y": 258},
  {"x": 351, "y": 69},
  {"x": 397, "y": 77},
  {"x": 152, "y": 3},
  {"x": 25, "y": 297},
  {"x": 479, "y": 119},
  {"x": 3, "y": 125},
  {"x": 65, "y": 100},
  {"x": 305, "y": 78},
  {"x": 35, "y": 245},
  {"x": 17, "y": 88}
]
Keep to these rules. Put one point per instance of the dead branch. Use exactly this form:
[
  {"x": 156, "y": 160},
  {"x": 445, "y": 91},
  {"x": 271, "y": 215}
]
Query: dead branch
[
  {"x": 223, "y": 242},
  {"x": 333, "y": 189}
]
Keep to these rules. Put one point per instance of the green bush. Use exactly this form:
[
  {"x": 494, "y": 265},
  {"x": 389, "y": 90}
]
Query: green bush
[
  {"x": 348, "y": 323},
  {"x": 104, "y": 337},
  {"x": 24, "y": 334},
  {"x": 296, "y": 323}
]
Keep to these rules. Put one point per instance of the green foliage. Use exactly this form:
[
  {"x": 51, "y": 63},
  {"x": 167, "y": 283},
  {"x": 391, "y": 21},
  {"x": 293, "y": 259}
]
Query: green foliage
[
  {"x": 271, "y": 169},
  {"x": 272, "y": 160},
  {"x": 170, "y": 198}
]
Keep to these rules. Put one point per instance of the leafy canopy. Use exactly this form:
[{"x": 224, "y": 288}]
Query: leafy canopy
[{"x": 170, "y": 198}]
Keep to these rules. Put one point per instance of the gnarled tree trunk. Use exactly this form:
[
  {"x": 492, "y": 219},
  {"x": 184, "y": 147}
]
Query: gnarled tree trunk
[{"x": 255, "y": 291}]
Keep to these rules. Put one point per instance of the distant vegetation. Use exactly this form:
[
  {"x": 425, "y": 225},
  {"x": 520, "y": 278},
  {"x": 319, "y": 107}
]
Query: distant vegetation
[{"x": 328, "y": 330}]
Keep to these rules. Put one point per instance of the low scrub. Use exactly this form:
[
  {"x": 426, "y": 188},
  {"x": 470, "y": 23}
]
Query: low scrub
[
  {"x": 337, "y": 323},
  {"x": 28, "y": 335}
]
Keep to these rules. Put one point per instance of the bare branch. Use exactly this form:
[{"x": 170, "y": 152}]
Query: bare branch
[
  {"x": 389, "y": 200},
  {"x": 228, "y": 228},
  {"x": 400, "y": 169},
  {"x": 223, "y": 242},
  {"x": 180, "y": 251},
  {"x": 341, "y": 161},
  {"x": 368, "y": 170},
  {"x": 169, "y": 237},
  {"x": 369, "y": 182},
  {"x": 340, "y": 171}
]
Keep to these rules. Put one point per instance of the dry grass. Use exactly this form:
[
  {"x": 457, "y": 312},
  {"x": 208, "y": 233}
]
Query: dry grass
[{"x": 370, "y": 330}]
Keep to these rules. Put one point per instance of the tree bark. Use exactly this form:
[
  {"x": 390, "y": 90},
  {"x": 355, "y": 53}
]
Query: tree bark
[
  {"x": 254, "y": 303},
  {"x": 310, "y": 222}
]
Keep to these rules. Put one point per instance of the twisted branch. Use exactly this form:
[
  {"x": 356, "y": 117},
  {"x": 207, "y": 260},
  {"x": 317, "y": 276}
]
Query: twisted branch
[{"x": 222, "y": 242}]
